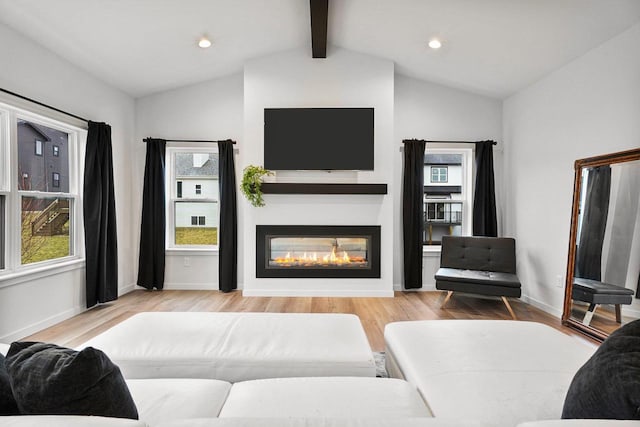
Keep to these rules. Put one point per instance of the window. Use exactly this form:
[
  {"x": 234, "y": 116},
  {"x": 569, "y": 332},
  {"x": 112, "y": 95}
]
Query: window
[
  {"x": 56, "y": 151},
  {"x": 2, "y": 236},
  {"x": 447, "y": 193},
  {"x": 39, "y": 208},
  {"x": 439, "y": 174},
  {"x": 192, "y": 206}
]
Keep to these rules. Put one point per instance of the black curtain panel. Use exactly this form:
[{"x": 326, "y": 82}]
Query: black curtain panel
[
  {"x": 228, "y": 231},
  {"x": 485, "y": 221},
  {"x": 100, "y": 235},
  {"x": 412, "y": 212},
  {"x": 152, "y": 230},
  {"x": 588, "y": 264}
]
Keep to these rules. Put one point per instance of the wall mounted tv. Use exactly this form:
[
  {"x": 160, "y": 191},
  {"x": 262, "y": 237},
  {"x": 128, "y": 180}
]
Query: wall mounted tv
[{"x": 318, "y": 138}]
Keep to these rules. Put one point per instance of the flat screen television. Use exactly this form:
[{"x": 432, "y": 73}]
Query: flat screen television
[{"x": 318, "y": 138}]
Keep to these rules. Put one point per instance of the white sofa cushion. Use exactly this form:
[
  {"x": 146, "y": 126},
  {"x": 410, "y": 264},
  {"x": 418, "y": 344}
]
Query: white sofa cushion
[
  {"x": 582, "y": 423},
  {"x": 324, "y": 397},
  {"x": 67, "y": 421},
  {"x": 323, "y": 422},
  {"x": 496, "y": 371},
  {"x": 238, "y": 346},
  {"x": 161, "y": 400}
]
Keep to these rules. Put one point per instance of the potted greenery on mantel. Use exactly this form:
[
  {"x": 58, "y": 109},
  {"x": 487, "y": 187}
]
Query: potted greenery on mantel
[{"x": 251, "y": 185}]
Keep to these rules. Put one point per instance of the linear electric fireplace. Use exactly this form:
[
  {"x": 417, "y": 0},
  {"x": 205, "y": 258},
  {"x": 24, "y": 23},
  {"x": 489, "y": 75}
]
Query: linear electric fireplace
[{"x": 318, "y": 251}]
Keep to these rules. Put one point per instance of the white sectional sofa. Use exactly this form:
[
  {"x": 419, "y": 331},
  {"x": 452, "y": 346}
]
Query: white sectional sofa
[
  {"x": 463, "y": 373},
  {"x": 238, "y": 346},
  {"x": 496, "y": 371}
]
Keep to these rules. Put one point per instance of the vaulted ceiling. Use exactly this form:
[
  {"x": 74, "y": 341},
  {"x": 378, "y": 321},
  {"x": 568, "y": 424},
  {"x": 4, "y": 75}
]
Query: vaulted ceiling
[{"x": 491, "y": 47}]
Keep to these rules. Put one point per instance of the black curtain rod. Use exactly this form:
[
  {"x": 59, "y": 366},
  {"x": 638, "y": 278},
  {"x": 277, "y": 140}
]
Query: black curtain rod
[
  {"x": 446, "y": 142},
  {"x": 42, "y": 104},
  {"x": 187, "y": 140}
]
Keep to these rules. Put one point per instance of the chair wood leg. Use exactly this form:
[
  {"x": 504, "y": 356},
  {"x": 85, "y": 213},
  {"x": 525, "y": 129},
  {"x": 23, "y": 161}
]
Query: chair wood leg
[
  {"x": 447, "y": 298},
  {"x": 589, "y": 314},
  {"x": 618, "y": 313},
  {"x": 506, "y": 302}
]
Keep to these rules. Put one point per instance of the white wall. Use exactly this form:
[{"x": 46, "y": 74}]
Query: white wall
[
  {"x": 343, "y": 79},
  {"x": 233, "y": 108},
  {"x": 32, "y": 71},
  {"x": 211, "y": 111},
  {"x": 433, "y": 112},
  {"x": 589, "y": 107}
]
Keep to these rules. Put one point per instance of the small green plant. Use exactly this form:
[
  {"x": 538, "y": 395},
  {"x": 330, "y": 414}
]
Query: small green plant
[{"x": 251, "y": 185}]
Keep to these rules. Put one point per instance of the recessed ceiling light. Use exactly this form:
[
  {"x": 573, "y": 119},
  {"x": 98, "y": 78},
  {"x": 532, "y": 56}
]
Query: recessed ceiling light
[
  {"x": 204, "y": 42},
  {"x": 435, "y": 44}
]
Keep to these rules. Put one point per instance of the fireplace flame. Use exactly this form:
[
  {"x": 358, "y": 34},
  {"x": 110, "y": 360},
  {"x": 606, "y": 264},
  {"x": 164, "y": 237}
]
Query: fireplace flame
[{"x": 331, "y": 259}]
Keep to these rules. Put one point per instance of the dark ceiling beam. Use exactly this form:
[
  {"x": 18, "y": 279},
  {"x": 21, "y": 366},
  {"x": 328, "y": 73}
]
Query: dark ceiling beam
[{"x": 319, "y": 15}]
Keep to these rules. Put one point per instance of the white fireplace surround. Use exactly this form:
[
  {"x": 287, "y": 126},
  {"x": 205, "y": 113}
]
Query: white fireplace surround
[{"x": 344, "y": 79}]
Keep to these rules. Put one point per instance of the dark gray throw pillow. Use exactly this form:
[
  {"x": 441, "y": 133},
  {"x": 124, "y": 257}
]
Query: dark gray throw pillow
[
  {"x": 608, "y": 385},
  {"x": 53, "y": 380},
  {"x": 8, "y": 405}
]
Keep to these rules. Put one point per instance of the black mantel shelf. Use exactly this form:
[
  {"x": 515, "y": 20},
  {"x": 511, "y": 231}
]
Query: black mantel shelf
[{"x": 316, "y": 188}]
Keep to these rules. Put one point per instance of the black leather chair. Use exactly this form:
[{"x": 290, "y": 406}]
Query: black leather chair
[
  {"x": 479, "y": 265},
  {"x": 595, "y": 292}
]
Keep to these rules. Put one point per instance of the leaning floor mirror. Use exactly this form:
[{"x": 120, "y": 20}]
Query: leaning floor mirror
[{"x": 603, "y": 269}]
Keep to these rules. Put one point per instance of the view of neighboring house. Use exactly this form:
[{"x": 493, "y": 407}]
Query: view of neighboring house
[
  {"x": 43, "y": 167},
  {"x": 443, "y": 180},
  {"x": 43, "y": 158},
  {"x": 196, "y": 177}
]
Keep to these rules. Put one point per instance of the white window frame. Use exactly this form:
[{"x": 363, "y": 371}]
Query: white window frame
[
  {"x": 171, "y": 191},
  {"x": 439, "y": 174},
  {"x": 466, "y": 197},
  {"x": 39, "y": 148},
  {"x": 14, "y": 272}
]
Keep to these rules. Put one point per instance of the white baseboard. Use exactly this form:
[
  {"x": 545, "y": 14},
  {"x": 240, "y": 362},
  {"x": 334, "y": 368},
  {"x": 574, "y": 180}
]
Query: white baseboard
[
  {"x": 315, "y": 293},
  {"x": 173, "y": 286},
  {"x": 42, "y": 324},
  {"x": 557, "y": 312},
  {"x": 125, "y": 290},
  {"x": 425, "y": 287}
]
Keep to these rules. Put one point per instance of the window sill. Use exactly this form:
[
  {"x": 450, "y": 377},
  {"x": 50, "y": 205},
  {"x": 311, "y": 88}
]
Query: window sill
[
  {"x": 191, "y": 251},
  {"x": 431, "y": 251},
  {"x": 30, "y": 274}
]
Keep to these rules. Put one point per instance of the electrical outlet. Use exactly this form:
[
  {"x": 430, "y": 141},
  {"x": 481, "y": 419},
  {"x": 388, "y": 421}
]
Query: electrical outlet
[
  {"x": 559, "y": 281},
  {"x": 186, "y": 261}
]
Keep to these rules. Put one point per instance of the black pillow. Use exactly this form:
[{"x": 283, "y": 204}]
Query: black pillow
[
  {"x": 8, "y": 405},
  {"x": 52, "y": 380},
  {"x": 608, "y": 385}
]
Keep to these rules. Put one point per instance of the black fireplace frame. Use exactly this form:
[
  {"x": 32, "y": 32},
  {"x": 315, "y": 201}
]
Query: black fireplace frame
[{"x": 265, "y": 232}]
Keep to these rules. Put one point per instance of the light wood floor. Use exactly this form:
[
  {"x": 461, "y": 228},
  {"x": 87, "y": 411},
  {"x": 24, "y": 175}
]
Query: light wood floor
[{"x": 374, "y": 313}]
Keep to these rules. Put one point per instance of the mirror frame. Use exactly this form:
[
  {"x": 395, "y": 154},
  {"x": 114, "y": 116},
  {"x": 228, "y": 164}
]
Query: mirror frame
[{"x": 606, "y": 159}]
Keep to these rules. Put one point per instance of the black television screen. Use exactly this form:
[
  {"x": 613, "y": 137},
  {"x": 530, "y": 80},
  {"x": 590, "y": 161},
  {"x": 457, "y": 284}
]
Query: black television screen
[{"x": 318, "y": 138}]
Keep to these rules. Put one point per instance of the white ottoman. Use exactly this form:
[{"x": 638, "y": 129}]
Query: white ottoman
[
  {"x": 324, "y": 397},
  {"x": 163, "y": 400},
  {"x": 499, "y": 371},
  {"x": 67, "y": 421},
  {"x": 238, "y": 346},
  {"x": 323, "y": 422}
]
